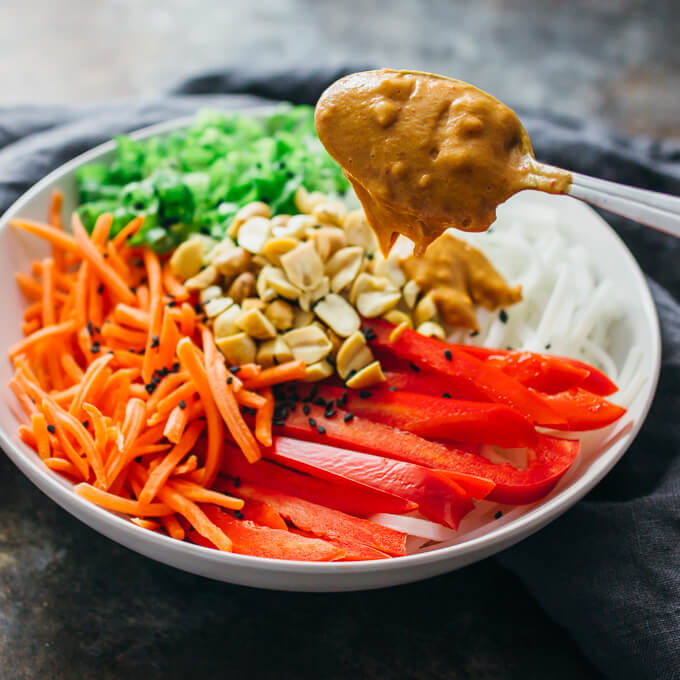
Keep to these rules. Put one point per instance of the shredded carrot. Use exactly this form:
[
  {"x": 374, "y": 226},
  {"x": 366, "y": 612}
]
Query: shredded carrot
[
  {"x": 127, "y": 232},
  {"x": 132, "y": 426},
  {"x": 71, "y": 367},
  {"x": 250, "y": 399},
  {"x": 263, "y": 419},
  {"x": 118, "y": 263},
  {"x": 226, "y": 401},
  {"x": 182, "y": 393},
  {"x": 44, "y": 334},
  {"x": 99, "y": 427},
  {"x": 48, "y": 233},
  {"x": 91, "y": 385},
  {"x": 41, "y": 435},
  {"x": 188, "y": 322},
  {"x": 64, "y": 466},
  {"x": 54, "y": 220},
  {"x": 169, "y": 337},
  {"x": 189, "y": 510},
  {"x": 22, "y": 396},
  {"x": 30, "y": 327},
  {"x": 189, "y": 465},
  {"x": 177, "y": 423},
  {"x": 81, "y": 294},
  {"x": 80, "y": 435},
  {"x": 153, "y": 271},
  {"x": 118, "y": 504},
  {"x": 131, "y": 316},
  {"x": 197, "y": 493},
  {"x": 291, "y": 370},
  {"x": 101, "y": 230},
  {"x": 162, "y": 472},
  {"x": 143, "y": 299},
  {"x": 173, "y": 527},
  {"x": 98, "y": 263},
  {"x": 112, "y": 331},
  {"x": 33, "y": 312},
  {"x": 127, "y": 359},
  {"x": 145, "y": 523},
  {"x": 191, "y": 361},
  {"x": 172, "y": 286},
  {"x": 95, "y": 301},
  {"x": 246, "y": 371}
]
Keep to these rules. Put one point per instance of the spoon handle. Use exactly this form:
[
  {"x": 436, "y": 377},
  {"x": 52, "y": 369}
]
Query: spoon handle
[{"x": 651, "y": 208}]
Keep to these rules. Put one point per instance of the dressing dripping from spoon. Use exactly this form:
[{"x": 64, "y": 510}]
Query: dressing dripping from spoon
[{"x": 425, "y": 152}]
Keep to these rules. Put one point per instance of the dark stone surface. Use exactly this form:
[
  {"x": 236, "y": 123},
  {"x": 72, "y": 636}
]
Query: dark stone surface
[{"x": 74, "y": 605}]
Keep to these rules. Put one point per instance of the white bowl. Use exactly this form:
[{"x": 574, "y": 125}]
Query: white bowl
[{"x": 640, "y": 326}]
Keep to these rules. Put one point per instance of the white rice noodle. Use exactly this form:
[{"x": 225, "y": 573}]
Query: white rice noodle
[{"x": 414, "y": 526}]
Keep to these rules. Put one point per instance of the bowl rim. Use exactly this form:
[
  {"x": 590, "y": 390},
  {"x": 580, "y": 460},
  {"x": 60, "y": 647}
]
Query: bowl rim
[{"x": 504, "y": 536}]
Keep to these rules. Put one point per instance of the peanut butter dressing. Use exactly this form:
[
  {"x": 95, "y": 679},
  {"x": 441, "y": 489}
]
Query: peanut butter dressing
[
  {"x": 459, "y": 277},
  {"x": 425, "y": 152}
]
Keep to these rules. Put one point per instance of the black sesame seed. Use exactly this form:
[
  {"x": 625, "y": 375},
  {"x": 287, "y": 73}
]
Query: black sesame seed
[
  {"x": 548, "y": 346},
  {"x": 306, "y": 409},
  {"x": 277, "y": 421},
  {"x": 238, "y": 514},
  {"x": 329, "y": 412},
  {"x": 105, "y": 256},
  {"x": 90, "y": 328},
  {"x": 172, "y": 303},
  {"x": 348, "y": 417},
  {"x": 369, "y": 256},
  {"x": 100, "y": 288},
  {"x": 138, "y": 459},
  {"x": 392, "y": 389},
  {"x": 364, "y": 394},
  {"x": 498, "y": 515},
  {"x": 197, "y": 308},
  {"x": 234, "y": 369},
  {"x": 155, "y": 341},
  {"x": 446, "y": 395},
  {"x": 503, "y": 316},
  {"x": 133, "y": 289},
  {"x": 182, "y": 404},
  {"x": 447, "y": 355},
  {"x": 150, "y": 387},
  {"x": 237, "y": 482},
  {"x": 474, "y": 334},
  {"x": 51, "y": 429},
  {"x": 95, "y": 348},
  {"x": 414, "y": 367},
  {"x": 86, "y": 423},
  {"x": 230, "y": 380},
  {"x": 320, "y": 401},
  {"x": 175, "y": 367},
  {"x": 321, "y": 429},
  {"x": 312, "y": 422}
]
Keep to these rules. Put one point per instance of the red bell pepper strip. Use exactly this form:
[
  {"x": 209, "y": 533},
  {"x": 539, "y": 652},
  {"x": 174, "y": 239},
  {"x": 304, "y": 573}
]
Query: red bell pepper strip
[
  {"x": 361, "y": 434},
  {"x": 595, "y": 381},
  {"x": 439, "y": 498},
  {"x": 549, "y": 459},
  {"x": 583, "y": 410},
  {"x": 354, "y": 552},
  {"x": 438, "y": 418},
  {"x": 264, "y": 515},
  {"x": 440, "y": 357},
  {"x": 249, "y": 538},
  {"x": 327, "y": 523},
  {"x": 359, "y": 500}
]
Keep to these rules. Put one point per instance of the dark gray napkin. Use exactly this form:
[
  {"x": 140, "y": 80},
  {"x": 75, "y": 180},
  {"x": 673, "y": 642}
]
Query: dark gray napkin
[{"x": 609, "y": 569}]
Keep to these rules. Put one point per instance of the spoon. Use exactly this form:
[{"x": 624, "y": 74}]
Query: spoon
[{"x": 426, "y": 152}]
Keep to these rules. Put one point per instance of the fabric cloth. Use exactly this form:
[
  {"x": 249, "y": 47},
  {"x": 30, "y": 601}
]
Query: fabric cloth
[{"x": 609, "y": 569}]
